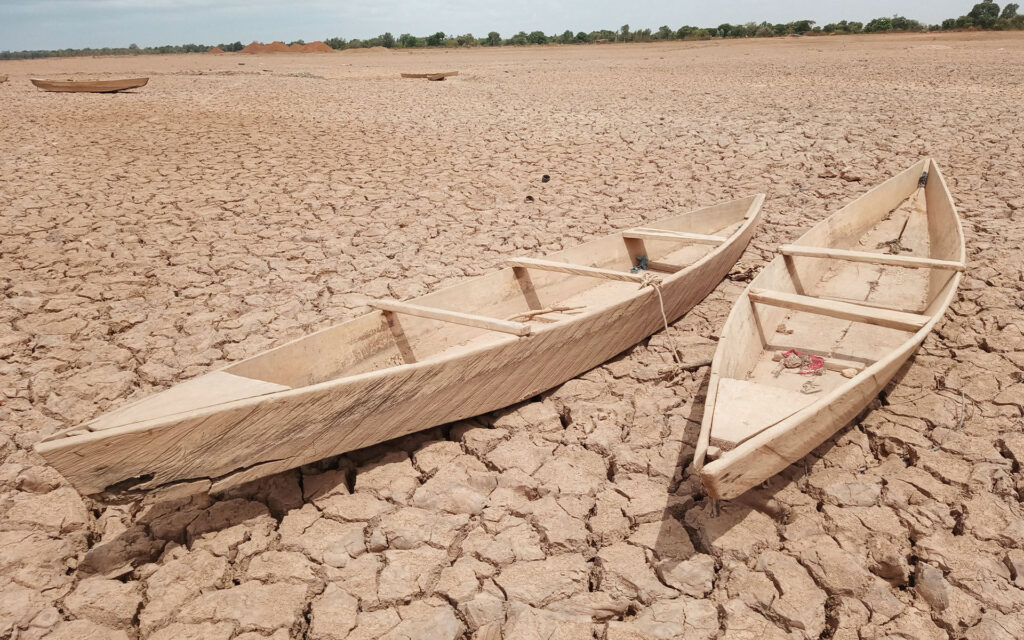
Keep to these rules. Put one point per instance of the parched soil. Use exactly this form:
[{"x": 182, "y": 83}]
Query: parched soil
[{"x": 240, "y": 201}]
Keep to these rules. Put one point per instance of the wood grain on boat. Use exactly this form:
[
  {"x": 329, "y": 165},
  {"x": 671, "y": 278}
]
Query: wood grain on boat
[
  {"x": 838, "y": 294},
  {"x": 388, "y": 373},
  {"x": 90, "y": 86}
]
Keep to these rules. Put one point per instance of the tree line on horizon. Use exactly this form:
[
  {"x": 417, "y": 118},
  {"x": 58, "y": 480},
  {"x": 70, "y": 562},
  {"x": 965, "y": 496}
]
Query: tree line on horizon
[{"x": 985, "y": 15}]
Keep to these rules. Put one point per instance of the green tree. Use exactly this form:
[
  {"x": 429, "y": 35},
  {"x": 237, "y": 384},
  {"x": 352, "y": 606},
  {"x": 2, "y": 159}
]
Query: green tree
[
  {"x": 985, "y": 14},
  {"x": 387, "y": 40},
  {"x": 436, "y": 40},
  {"x": 537, "y": 37},
  {"x": 802, "y": 26},
  {"x": 664, "y": 33},
  {"x": 336, "y": 43},
  {"x": 624, "y": 34},
  {"x": 493, "y": 39},
  {"x": 878, "y": 25},
  {"x": 582, "y": 37},
  {"x": 520, "y": 38},
  {"x": 1009, "y": 11},
  {"x": 466, "y": 40}
]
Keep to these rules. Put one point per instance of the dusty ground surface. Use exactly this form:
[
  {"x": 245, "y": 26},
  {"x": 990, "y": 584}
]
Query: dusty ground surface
[{"x": 237, "y": 202}]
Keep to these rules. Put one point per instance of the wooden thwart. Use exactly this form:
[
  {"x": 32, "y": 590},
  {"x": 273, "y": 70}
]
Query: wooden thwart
[
  {"x": 574, "y": 269},
  {"x": 842, "y": 310},
  {"x": 654, "y": 265},
  {"x": 679, "y": 236},
  {"x": 910, "y": 262},
  {"x": 455, "y": 317}
]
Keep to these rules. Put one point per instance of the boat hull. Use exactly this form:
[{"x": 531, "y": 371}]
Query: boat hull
[
  {"x": 778, "y": 445},
  {"x": 765, "y": 455},
  {"x": 90, "y": 86},
  {"x": 236, "y": 442}
]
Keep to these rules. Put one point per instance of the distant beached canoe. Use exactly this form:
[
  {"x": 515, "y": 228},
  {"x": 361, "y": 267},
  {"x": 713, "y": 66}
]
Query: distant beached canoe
[
  {"x": 440, "y": 75},
  {"x": 90, "y": 86}
]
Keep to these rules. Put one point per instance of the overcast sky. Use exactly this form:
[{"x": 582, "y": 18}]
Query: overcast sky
[{"x": 53, "y": 24}]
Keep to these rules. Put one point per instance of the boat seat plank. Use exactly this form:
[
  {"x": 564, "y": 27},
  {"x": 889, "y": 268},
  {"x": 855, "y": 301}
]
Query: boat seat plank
[
  {"x": 455, "y": 317},
  {"x": 655, "y": 265},
  {"x": 846, "y": 311},
  {"x": 910, "y": 262},
  {"x": 644, "y": 233},
  {"x": 743, "y": 409},
  {"x": 574, "y": 269}
]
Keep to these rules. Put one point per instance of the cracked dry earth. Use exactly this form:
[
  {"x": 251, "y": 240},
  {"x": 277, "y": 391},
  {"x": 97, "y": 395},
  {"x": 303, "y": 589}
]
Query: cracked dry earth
[{"x": 237, "y": 202}]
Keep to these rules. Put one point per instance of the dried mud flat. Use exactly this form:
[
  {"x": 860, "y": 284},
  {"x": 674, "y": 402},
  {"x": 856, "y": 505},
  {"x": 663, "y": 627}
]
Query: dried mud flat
[{"x": 150, "y": 236}]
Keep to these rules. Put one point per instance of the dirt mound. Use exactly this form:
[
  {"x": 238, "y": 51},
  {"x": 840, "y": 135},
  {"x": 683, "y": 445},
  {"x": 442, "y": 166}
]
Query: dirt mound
[
  {"x": 276, "y": 47},
  {"x": 215, "y": 50},
  {"x": 279, "y": 47},
  {"x": 313, "y": 47}
]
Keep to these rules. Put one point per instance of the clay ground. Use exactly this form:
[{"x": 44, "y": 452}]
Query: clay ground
[{"x": 237, "y": 202}]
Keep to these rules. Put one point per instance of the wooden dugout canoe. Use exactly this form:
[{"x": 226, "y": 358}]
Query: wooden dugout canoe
[
  {"x": 407, "y": 366},
  {"x": 837, "y": 293},
  {"x": 438, "y": 75},
  {"x": 90, "y": 86}
]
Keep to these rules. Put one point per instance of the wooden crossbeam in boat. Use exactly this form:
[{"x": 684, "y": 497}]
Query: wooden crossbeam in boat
[
  {"x": 666, "y": 267},
  {"x": 910, "y": 262},
  {"x": 455, "y": 317},
  {"x": 843, "y": 310},
  {"x": 642, "y": 233},
  {"x": 574, "y": 269}
]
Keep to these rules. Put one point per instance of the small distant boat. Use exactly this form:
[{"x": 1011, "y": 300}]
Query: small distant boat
[
  {"x": 826, "y": 325},
  {"x": 440, "y": 75},
  {"x": 478, "y": 346},
  {"x": 90, "y": 86}
]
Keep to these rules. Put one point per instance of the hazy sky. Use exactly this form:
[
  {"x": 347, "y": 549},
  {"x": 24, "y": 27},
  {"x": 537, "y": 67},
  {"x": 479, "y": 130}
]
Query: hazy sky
[{"x": 52, "y": 24}]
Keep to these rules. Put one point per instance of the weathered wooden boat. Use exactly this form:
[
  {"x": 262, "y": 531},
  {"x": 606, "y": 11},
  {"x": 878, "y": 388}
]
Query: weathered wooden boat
[
  {"x": 406, "y": 366},
  {"x": 90, "y": 86},
  {"x": 845, "y": 306},
  {"x": 438, "y": 75}
]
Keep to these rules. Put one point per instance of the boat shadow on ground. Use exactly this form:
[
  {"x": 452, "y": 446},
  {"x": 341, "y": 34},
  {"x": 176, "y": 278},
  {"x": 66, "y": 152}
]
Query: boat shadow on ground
[{"x": 727, "y": 528}]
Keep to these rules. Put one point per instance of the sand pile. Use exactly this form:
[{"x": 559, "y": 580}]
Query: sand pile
[
  {"x": 215, "y": 50},
  {"x": 279, "y": 47},
  {"x": 276, "y": 47},
  {"x": 313, "y": 47}
]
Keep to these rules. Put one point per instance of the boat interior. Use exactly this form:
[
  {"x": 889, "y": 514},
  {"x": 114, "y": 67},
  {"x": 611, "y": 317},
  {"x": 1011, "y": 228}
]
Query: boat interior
[
  {"x": 850, "y": 292},
  {"x": 502, "y": 306}
]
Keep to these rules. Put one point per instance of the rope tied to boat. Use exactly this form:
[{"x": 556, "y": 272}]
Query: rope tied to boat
[{"x": 650, "y": 280}]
